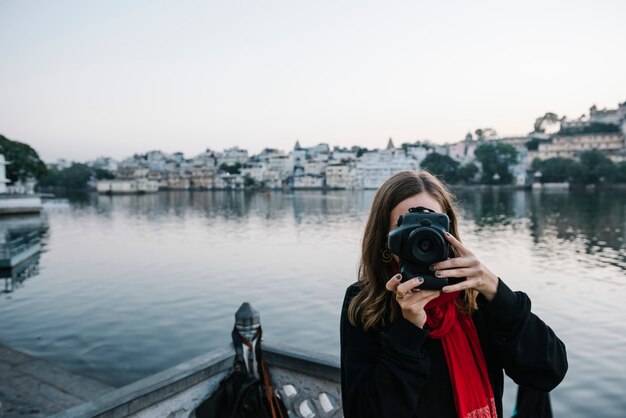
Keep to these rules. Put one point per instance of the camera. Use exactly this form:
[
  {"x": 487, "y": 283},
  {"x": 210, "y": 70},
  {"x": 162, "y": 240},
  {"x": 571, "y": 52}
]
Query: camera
[{"x": 419, "y": 241}]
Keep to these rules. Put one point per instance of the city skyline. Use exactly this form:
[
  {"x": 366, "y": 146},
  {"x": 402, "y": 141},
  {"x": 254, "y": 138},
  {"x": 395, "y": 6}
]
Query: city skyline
[{"x": 86, "y": 79}]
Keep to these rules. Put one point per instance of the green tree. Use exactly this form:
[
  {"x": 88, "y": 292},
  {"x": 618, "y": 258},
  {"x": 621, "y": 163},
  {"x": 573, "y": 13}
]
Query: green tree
[
  {"x": 597, "y": 168},
  {"x": 25, "y": 161},
  {"x": 482, "y": 133},
  {"x": 102, "y": 174},
  {"x": 620, "y": 172},
  {"x": 548, "y": 119},
  {"x": 231, "y": 168},
  {"x": 496, "y": 158},
  {"x": 75, "y": 177},
  {"x": 467, "y": 172},
  {"x": 248, "y": 181},
  {"x": 557, "y": 169},
  {"x": 441, "y": 166}
]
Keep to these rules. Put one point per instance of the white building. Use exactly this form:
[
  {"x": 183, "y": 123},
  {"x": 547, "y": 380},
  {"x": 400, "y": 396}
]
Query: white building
[
  {"x": 232, "y": 156},
  {"x": 315, "y": 168},
  {"x": 227, "y": 181},
  {"x": 308, "y": 181},
  {"x": 141, "y": 185},
  {"x": 341, "y": 176},
  {"x": 3, "y": 174},
  {"x": 377, "y": 166},
  {"x": 342, "y": 155},
  {"x": 417, "y": 152}
]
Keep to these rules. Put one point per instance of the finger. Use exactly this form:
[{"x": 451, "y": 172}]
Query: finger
[
  {"x": 466, "y": 284},
  {"x": 416, "y": 297},
  {"x": 409, "y": 284},
  {"x": 462, "y": 272},
  {"x": 458, "y": 246},
  {"x": 456, "y": 262},
  {"x": 425, "y": 301},
  {"x": 392, "y": 284}
]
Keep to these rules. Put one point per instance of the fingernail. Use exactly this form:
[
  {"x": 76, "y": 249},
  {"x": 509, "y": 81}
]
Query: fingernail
[
  {"x": 432, "y": 267},
  {"x": 398, "y": 276},
  {"x": 419, "y": 279},
  {"x": 445, "y": 290},
  {"x": 438, "y": 273},
  {"x": 447, "y": 233}
]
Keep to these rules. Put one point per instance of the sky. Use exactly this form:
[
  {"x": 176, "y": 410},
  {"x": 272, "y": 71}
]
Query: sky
[{"x": 82, "y": 79}]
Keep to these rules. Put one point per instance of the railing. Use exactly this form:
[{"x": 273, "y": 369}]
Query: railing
[{"x": 18, "y": 245}]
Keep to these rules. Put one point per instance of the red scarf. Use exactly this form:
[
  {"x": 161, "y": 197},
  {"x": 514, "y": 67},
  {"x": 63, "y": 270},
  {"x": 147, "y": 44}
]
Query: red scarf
[{"x": 473, "y": 396}]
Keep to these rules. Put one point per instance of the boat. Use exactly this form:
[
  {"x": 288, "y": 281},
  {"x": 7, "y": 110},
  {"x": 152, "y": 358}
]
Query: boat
[
  {"x": 19, "y": 243},
  {"x": 309, "y": 384}
]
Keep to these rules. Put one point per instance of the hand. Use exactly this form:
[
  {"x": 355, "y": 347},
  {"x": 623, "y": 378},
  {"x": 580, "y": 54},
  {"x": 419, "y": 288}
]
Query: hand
[
  {"x": 478, "y": 276},
  {"x": 411, "y": 299}
]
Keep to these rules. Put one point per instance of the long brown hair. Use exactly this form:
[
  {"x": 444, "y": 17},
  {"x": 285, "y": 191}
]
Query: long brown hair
[{"x": 374, "y": 306}]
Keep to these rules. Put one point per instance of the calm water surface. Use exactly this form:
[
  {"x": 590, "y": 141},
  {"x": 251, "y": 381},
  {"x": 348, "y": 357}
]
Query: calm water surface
[{"x": 129, "y": 285}]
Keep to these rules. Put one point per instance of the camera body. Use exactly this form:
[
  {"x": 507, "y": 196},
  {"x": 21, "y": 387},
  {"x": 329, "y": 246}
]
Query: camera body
[{"x": 419, "y": 242}]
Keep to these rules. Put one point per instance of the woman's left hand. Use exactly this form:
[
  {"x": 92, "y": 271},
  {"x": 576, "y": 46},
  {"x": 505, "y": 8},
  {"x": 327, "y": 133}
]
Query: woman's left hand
[{"x": 478, "y": 276}]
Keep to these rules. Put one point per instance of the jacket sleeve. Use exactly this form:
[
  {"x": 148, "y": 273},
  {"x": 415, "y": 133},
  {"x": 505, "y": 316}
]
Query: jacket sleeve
[
  {"x": 528, "y": 350},
  {"x": 381, "y": 376}
]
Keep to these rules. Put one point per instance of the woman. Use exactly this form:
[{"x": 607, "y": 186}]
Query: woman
[{"x": 407, "y": 352}]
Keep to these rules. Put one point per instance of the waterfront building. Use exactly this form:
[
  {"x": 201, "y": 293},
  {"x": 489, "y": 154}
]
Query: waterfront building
[
  {"x": 129, "y": 186},
  {"x": 377, "y": 166},
  {"x": 104, "y": 163},
  {"x": 282, "y": 164},
  {"x": 226, "y": 181},
  {"x": 603, "y": 130},
  {"x": 3, "y": 174},
  {"x": 340, "y": 155},
  {"x": 571, "y": 145},
  {"x": 233, "y": 156},
  {"x": 315, "y": 168},
  {"x": 178, "y": 182},
  {"x": 417, "y": 152},
  {"x": 463, "y": 151},
  {"x": 341, "y": 176},
  {"x": 308, "y": 181},
  {"x": 608, "y": 116}
]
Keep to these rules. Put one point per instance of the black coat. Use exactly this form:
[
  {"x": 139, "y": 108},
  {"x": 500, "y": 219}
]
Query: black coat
[{"x": 398, "y": 372}]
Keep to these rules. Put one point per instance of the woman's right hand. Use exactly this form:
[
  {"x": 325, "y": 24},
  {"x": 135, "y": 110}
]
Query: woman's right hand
[{"x": 411, "y": 299}]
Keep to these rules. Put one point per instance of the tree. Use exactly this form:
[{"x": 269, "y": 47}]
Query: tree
[
  {"x": 496, "y": 160},
  {"x": 231, "y": 169},
  {"x": 557, "y": 169},
  {"x": 482, "y": 133},
  {"x": 467, "y": 172},
  {"x": 441, "y": 166},
  {"x": 597, "y": 168},
  {"x": 75, "y": 177},
  {"x": 620, "y": 172},
  {"x": 102, "y": 174},
  {"x": 548, "y": 119},
  {"x": 24, "y": 160}
]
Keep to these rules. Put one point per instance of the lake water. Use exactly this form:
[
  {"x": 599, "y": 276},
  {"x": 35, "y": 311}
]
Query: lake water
[{"x": 130, "y": 285}]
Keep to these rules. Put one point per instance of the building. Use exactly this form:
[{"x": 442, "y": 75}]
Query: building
[
  {"x": 232, "y": 156},
  {"x": 341, "y": 176},
  {"x": 308, "y": 181},
  {"x": 377, "y": 166},
  {"x": 131, "y": 186}
]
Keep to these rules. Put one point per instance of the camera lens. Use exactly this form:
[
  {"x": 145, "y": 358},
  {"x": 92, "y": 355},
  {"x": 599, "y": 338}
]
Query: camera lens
[{"x": 425, "y": 245}]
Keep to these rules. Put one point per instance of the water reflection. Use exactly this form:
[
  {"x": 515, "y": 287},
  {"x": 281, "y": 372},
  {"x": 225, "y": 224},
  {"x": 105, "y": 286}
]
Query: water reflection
[
  {"x": 130, "y": 285},
  {"x": 592, "y": 222},
  {"x": 20, "y": 246},
  {"x": 13, "y": 278}
]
